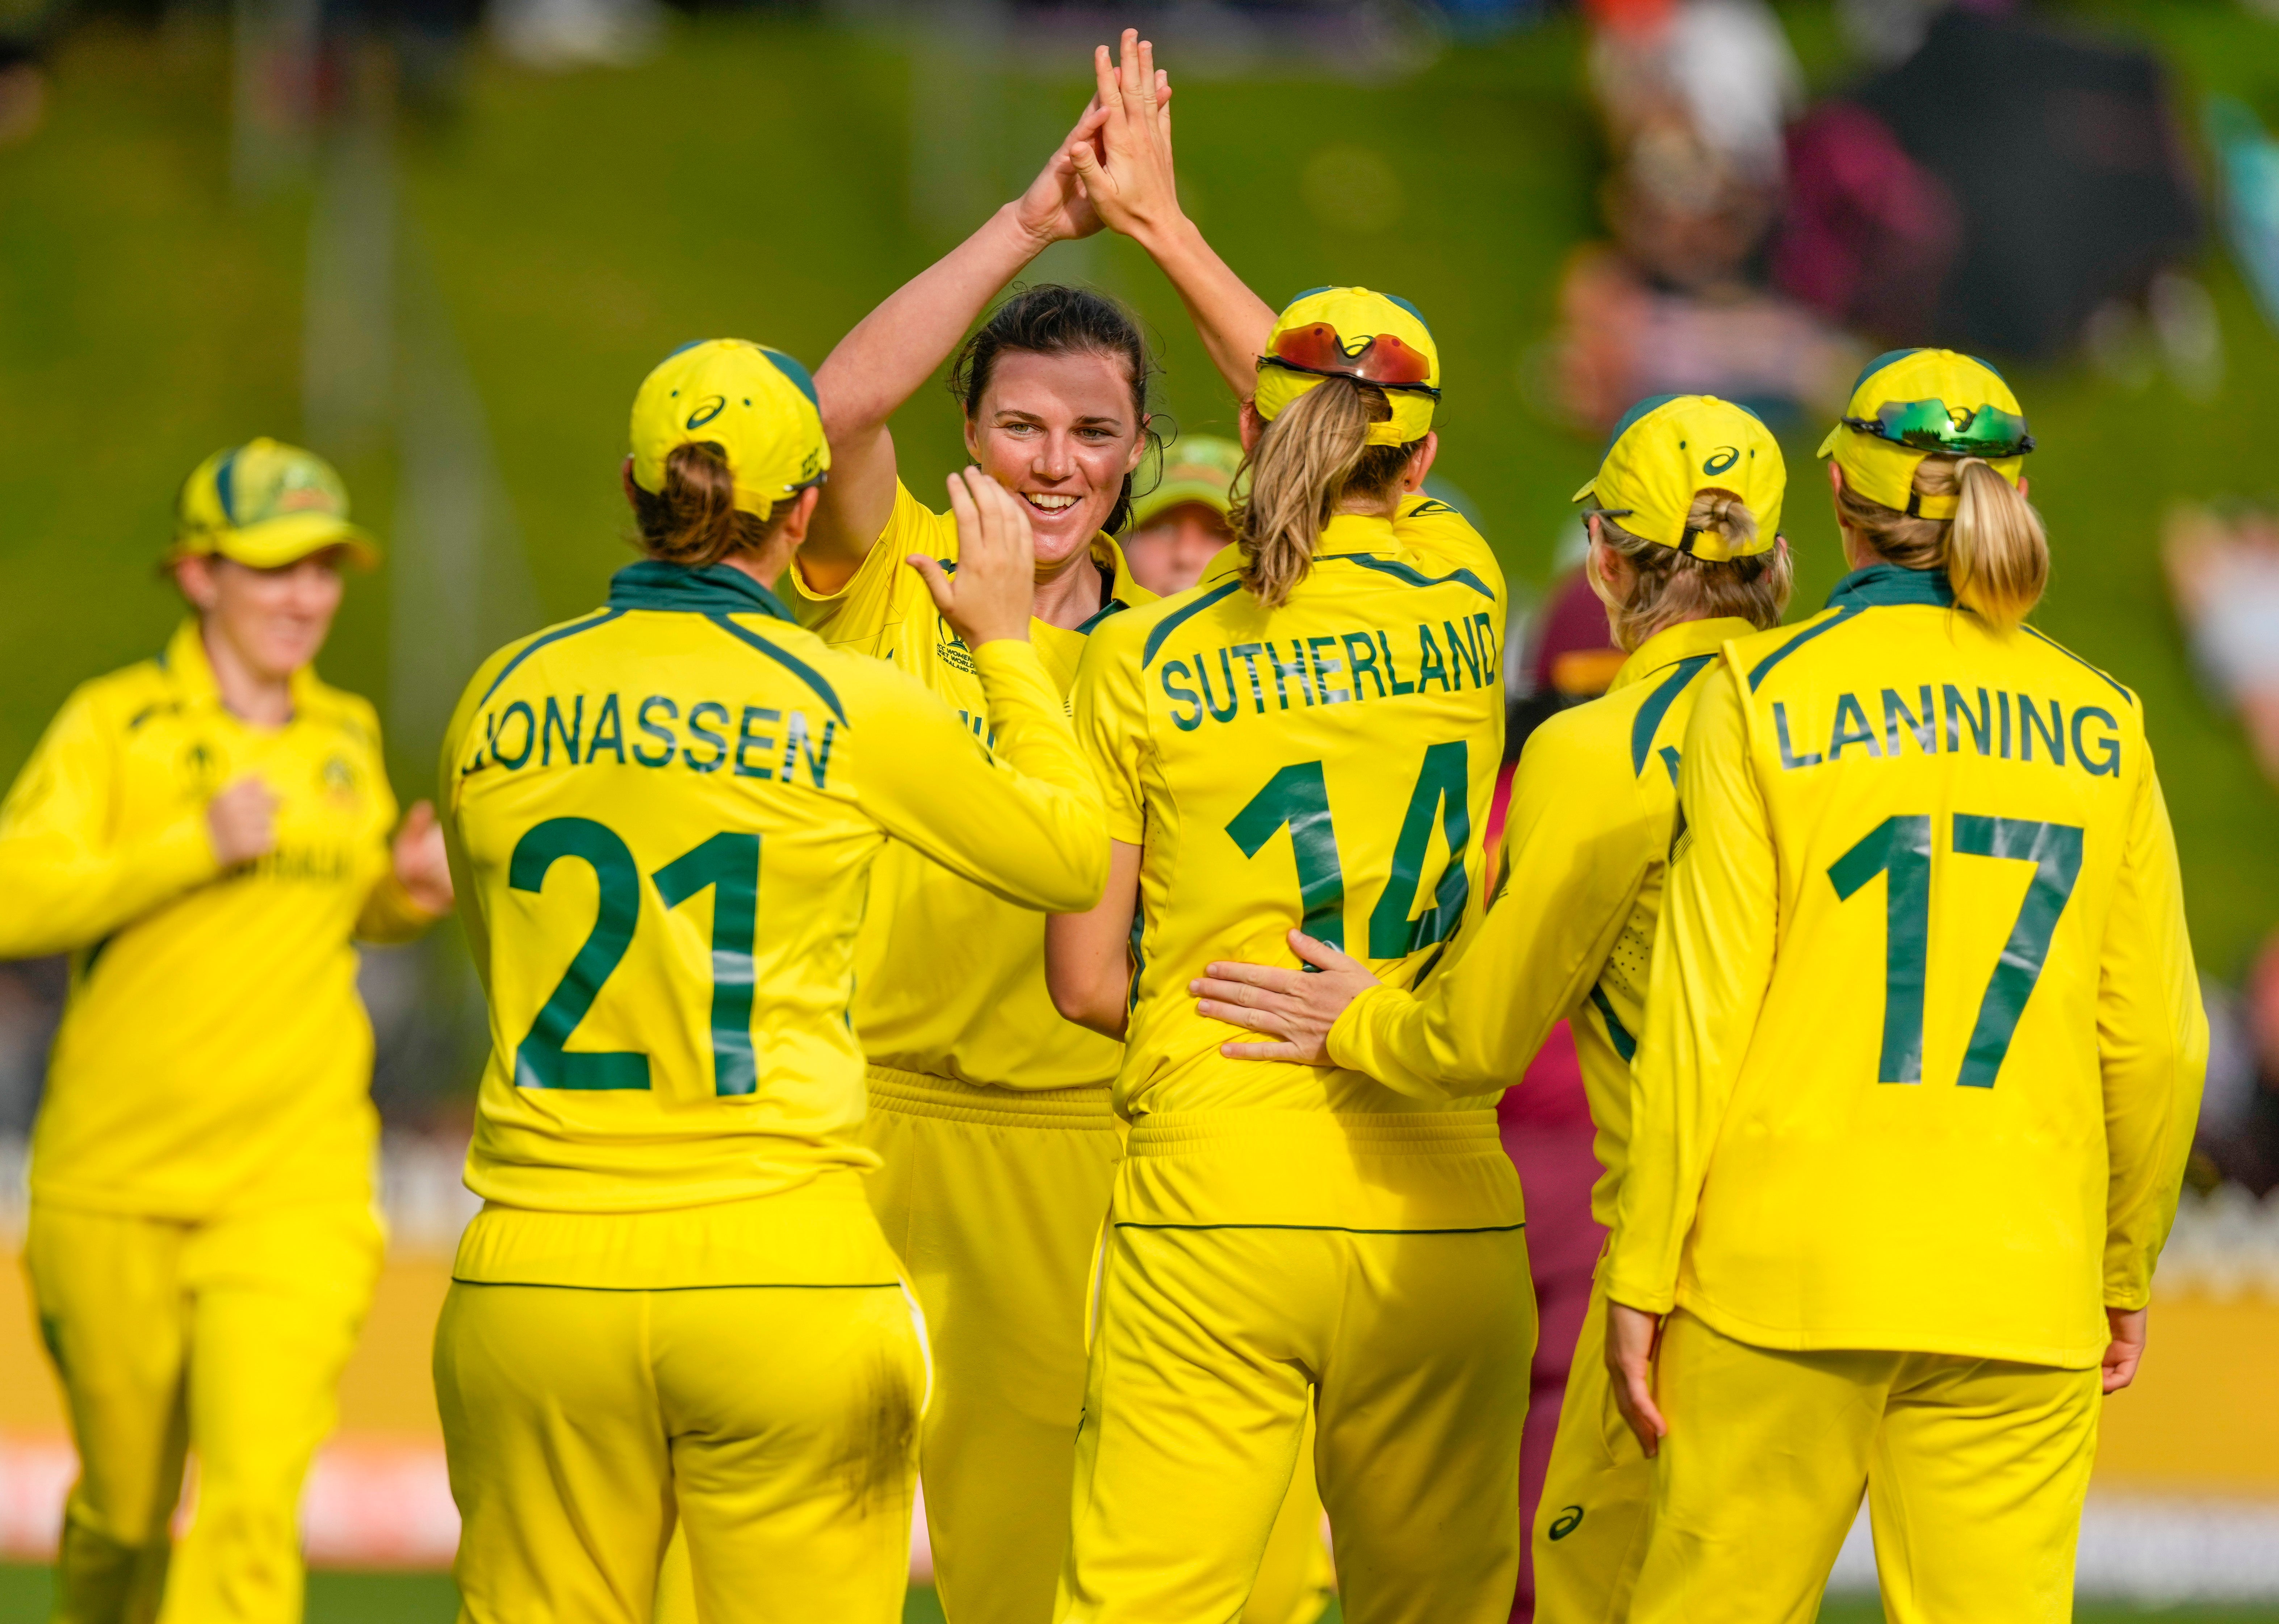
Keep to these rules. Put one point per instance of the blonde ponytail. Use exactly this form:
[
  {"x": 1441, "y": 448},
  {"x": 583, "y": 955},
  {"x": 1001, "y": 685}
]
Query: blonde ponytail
[
  {"x": 1314, "y": 454},
  {"x": 1995, "y": 549},
  {"x": 1672, "y": 588},
  {"x": 1998, "y": 555}
]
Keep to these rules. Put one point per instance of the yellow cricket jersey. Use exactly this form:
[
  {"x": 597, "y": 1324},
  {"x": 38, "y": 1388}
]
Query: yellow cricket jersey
[
  {"x": 665, "y": 817},
  {"x": 1325, "y": 765},
  {"x": 1924, "y": 1051},
  {"x": 214, "y": 1057},
  {"x": 1571, "y": 931},
  {"x": 950, "y": 980}
]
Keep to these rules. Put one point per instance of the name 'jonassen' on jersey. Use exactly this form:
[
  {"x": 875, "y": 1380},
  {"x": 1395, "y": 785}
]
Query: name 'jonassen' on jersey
[
  {"x": 764, "y": 742},
  {"x": 1328, "y": 670},
  {"x": 1987, "y": 721}
]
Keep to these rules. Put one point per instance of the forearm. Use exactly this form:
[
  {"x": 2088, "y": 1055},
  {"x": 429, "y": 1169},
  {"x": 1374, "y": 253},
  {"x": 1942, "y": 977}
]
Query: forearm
[
  {"x": 61, "y": 897},
  {"x": 1232, "y": 321},
  {"x": 1088, "y": 955},
  {"x": 390, "y": 915},
  {"x": 895, "y": 348}
]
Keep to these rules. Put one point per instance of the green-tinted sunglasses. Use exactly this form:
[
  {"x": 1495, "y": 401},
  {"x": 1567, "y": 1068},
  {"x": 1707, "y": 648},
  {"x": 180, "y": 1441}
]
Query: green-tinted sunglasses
[{"x": 1933, "y": 425}]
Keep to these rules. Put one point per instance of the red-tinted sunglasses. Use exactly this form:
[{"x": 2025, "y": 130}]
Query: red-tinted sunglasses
[{"x": 1384, "y": 359}]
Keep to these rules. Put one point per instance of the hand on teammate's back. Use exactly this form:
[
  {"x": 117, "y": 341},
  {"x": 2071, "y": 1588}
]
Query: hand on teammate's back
[
  {"x": 994, "y": 589},
  {"x": 241, "y": 822},
  {"x": 422, "y": 867},
  {"x": 1126, "y": 166},
  {"x": 1296, "y": 1007}
]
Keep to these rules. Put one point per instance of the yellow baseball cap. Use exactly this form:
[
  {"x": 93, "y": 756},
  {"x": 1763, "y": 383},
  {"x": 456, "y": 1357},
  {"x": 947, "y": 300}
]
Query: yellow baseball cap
[
  {"x": 1200, "y": 468},
  {"x": 1352, "y": 332},
  {"x": 758, "y": 404},
  {"x": 1668, "y": 449},
  {"x": 1913, "y": 403},
  {"x": 267, "y": 504}
]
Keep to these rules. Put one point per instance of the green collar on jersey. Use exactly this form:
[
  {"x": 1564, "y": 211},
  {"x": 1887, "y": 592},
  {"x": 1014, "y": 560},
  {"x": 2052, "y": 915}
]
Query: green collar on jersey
[
  {"x": 712, "y": 589},
  {"x": 1882, "y": 584}
]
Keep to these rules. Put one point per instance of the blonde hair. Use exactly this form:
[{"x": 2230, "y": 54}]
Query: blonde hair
[
  {"x": 1673, "y": 588},
  {"x": 1995, "y": 550},
  {"x": 1316, "y": 453}
]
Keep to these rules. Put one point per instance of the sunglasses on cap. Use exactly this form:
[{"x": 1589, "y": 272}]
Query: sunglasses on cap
[
  {"x": 1932, "y": 425},
  {"x": 1384, "y": 359}
]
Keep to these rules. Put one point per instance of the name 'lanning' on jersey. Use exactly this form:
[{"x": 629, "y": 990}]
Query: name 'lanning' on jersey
[{"x": 1933, "y": 1026}]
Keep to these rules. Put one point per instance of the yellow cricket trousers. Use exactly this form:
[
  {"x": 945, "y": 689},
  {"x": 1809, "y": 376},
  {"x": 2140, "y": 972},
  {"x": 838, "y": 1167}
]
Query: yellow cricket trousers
[
  {"x": 1974, "y": 1469},
  {"x": 1414, "y": 1350},
  {"x": 1590, "y": 1529},
  {"x": 993, "y": 1200},
  {"x": 778, "y": 1423},
  {"x": 225, "y": 1337}
]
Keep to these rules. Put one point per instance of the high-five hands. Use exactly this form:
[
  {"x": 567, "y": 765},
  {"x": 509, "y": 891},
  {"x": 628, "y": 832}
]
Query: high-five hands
[
  {"x": 1057, "y": 208},
  {"x": 991, "y": 595},
  {"x": 1123, "y": 157},
  {"x": 1294, "y": 1007}
]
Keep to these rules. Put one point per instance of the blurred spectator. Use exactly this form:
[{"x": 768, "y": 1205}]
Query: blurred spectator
[
  {"x": 1693, "y": 94},
  {"x": 2237, "y": 1137},
  {"x": 31, "y": 1003},
  {"x": 2223, "y": 574},
  {"x": 2021, "y": 178},
  {"x": 1180, "y": 525}
]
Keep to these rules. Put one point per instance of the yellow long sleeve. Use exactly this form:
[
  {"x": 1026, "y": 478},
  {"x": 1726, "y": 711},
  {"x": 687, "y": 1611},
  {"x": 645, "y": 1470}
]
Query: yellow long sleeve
[
  {"x": 1031, "y": 835},
  {"x": 69, "y": 878},
  {"x": 2152, "y": 1045},
  {"x": 1713, "y": 959}
]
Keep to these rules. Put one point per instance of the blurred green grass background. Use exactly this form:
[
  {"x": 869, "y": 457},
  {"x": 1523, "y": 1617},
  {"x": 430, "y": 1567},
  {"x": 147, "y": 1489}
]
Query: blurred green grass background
[{"x": 757, "y": 179}]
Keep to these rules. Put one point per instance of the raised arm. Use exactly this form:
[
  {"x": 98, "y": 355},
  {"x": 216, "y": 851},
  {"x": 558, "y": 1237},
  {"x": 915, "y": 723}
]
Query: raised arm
[
  {"x": 1127, "y": 173},
  {"x": 896, "y": 348}
]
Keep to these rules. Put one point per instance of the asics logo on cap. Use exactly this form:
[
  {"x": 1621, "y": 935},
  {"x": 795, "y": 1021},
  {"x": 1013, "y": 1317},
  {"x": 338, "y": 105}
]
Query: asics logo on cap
[
  {"x": 710, "y": 407},
  {"x": 1720, "y": 459}
]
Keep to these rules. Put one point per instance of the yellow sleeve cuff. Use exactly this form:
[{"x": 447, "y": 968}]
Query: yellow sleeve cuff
[
  {"x": 1352, "y": 1041},
  {"x": 390, "y": 915}
]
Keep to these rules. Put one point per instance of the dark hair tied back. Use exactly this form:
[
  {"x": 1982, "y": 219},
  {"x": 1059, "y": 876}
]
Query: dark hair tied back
[
  {"x": 694, "y": 520},
  {"x": 1055, "y": 319}
]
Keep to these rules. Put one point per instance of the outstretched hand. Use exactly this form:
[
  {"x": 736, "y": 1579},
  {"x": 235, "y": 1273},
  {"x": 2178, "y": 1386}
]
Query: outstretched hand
[
  {"x": 1056, "y": 207},
  {"x": 1125, "y": 161},
  {"x": 991, "y": 595},
  {"x": 1295, "y": 1007}
]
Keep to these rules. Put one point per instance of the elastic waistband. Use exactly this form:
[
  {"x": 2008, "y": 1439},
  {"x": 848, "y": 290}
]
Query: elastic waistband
[
  {"x": 1375, "y": 1133},
  {"x": 914, "y": 1093}
]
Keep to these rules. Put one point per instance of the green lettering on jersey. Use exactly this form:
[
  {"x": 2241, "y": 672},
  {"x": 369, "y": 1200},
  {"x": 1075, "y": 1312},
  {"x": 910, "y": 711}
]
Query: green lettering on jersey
[
  {"x": 1210, "y": 700},
  {"x": 1851, "y": 728},
  {"x": 1429, "y": 665},
  {"x": 662, "y": 758},
  {"x": 609, "y": 732},
  {"x": 2108, "y": 764},
  {"x": 1178, "y": 693},
  {"x": 556, "y": 728},
  {"x": 2051, "y": 733},
  {"x": 1392, "y": 671},
  {"x": 1248, "y": 653},
  {"x": 797, "y": 748},
  {"x": 1466, "y": 647},
  {"x": 1361, "y": 653},
  {"x": 529, "y": 735},
  {"x": 1925, "y": 727},
  {"x": 1981, "y": 725},
  {"x": 1323, "y": 671},
  {"x": 1295, "y": 666},
  {"x": 1789, "y": 759},
  {"x": 748, "y": 740},
  {"x": 698, "y": 730}
]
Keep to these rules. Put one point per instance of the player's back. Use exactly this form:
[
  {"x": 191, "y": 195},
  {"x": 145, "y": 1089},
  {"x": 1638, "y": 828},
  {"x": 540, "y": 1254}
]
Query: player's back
[
  {"x": 1962, "y": 824},
  {"x": 663, "y": 814},
  {"x": 1326, "y": 765}
]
